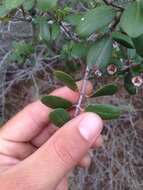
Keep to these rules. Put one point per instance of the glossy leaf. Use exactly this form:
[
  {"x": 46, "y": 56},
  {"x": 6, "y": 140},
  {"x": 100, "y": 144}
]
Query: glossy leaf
[
  {"x": 59, "y": 117},
  {"x": 131, "y": 89},
  {"x": 74, "y": 19},
  {"x": 55, "y": 102},
  {"x": 12, "y": 4},
  {"x": 95, "y": 19},
  {"x": 66, "y": 79},
  {"x": 105, "y": 111},
  {"x": 45, "y": 5},
  {"x": 3, "y": 11},
  {"x": 138, "y": 69},
  {"x": 44, "y": 32},
  {"x": 28, "y": 5},
  {"x": 100, "y": 53},
  {"x": 138, "y": 44},
  {"x": 132, "y": 20},
  {"x": 122, "y": 39},
  {"x": 55, "y": 31},
  {"x": 106, "y": 90},
  {"x": 78, "y": 50}
]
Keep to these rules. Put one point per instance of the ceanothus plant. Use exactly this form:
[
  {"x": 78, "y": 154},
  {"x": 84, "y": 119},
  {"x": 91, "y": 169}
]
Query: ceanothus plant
[{"x": 104, "y": 36}]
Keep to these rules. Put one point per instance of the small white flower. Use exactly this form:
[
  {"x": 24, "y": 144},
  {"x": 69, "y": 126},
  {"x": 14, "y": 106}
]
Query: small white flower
[
  {"x": 98, "y": 73},
  {"x": 137, "y": 81},
  {"x": 112, "y": 69},
  {"x": 50, "y": 22},
  {"x": 82, "y": 19}
]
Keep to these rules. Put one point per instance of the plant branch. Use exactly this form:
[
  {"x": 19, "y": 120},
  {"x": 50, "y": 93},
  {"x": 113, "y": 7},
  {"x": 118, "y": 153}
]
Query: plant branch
[
  {"x": 113, "y": 5},
  {"x": 68, "y": 33},
  {"x": 82, "y": 92},
  {"x": 127, "y": 68},
  {"x": 115, "y": 22}
]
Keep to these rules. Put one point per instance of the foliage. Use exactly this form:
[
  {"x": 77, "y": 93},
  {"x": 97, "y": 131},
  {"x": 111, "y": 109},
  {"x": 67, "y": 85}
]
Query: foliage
[{"x": 105, "y": 37}]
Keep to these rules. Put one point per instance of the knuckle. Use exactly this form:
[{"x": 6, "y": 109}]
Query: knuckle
[{"x": 64, "y": 152}]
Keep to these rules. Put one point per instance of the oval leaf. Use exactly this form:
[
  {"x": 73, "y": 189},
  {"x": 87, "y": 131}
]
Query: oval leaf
[
  {"x": 94, "y": 20},
  {"x": 105, "y": 111},
  {"x": 45, "y": 5},
  {"x": 100, "y": 53},
  {"x": 132, "y": 20},
  {"x": 12, "y": 5},
  {"x": 55, "y": 102},
  {"x": 138, "y": 44},
  {"x": 78, "y": 50},
  {"x": 74, "y": 19},
  {"x": 123, "y": 39},
  {"x": 66, "y": 79},
  {"x": 55, "y": 31},
  {"x": 44, "y": 32},
  {"x": 59, "y": 117},
  {"x": 106, "y": 90},
  {"x": 28, "y": 5}
]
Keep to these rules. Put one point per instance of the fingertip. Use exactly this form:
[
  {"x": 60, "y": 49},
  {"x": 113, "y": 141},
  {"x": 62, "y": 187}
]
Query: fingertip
[
  {"x": 98, "y": 142},
  {"x": 85, "y": 162}
]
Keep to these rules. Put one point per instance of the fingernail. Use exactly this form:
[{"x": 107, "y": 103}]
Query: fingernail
[{"x": 90, "y": 127}]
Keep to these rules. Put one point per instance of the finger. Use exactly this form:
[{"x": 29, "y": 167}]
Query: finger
[
  {"x": 63, "y": 185},
  {"x": 86, "y": 161},
  {"x": 98, "y": 142},
  {"x": 28, "y": 123},
  {"x": 44, "y": 135},
  {"x": 16, "y": 150},
  {"x": 58, "y": 156}
]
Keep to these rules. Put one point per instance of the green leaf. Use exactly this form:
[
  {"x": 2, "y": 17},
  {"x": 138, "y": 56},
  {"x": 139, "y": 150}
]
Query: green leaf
[
  {"x": 138, "y": 69},
  {"x": 100, "y": 53},
  {"x": 24, "y": 48},
  {"x": 94, "y": 20},
  {"x": 73, "y": 19},
  {"x": 55, "y": 31},
  {"x": 138, "y": 44},
  {"x": 56, "y": 102},
  {"x": 106, "y": 90},
  {"x": 3, "y": 11},
  {"x": 28, "y": 5},
  {"x": 59, "y": 117},
  {"x": 66, "y": 79},
  {"x": 45, "y": 5},
  {"x": 12, "y": 4},
  {"x": 105, "y": 111},
  {"x": 131, "y": 89},
  {"x": 78, "y": 50},
  {"x": 44, "y": 31},
  {"x": 122, "y": 39},
  {"x": 132, "y": 20}
]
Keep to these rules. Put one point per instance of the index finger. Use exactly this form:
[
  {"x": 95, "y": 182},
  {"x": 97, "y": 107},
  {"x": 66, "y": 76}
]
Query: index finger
[{"x": 33, "y": 118}]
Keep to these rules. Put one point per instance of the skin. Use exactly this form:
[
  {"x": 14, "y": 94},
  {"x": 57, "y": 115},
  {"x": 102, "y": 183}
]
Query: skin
[{"x": 34, "y": 154}]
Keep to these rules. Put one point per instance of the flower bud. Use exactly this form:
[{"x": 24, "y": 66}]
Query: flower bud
[
  {"x": 112, "y": 69},
  {"x": 137, "y": 81}
]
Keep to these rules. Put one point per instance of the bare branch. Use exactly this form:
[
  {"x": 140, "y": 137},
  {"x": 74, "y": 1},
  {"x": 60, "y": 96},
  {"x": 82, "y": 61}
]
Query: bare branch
[
  {"x": 82, "y": 92},
  {"x": 113, "y": 5}
]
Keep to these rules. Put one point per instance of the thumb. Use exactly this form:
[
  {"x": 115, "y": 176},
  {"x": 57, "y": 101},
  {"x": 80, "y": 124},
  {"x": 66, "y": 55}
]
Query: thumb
[{"x": 47, "y": 166}]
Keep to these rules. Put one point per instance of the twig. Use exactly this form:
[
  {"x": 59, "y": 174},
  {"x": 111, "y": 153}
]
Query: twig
[
  {"x": 115, "y": 22},
  {"x": 114, "y": 5},
  {"x": 68, "y": 33},
  {"x": 82, "y": 92}
]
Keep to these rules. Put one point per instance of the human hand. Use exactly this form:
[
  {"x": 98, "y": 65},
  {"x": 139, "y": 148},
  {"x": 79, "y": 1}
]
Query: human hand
[{"x": 34, "y": 154}]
